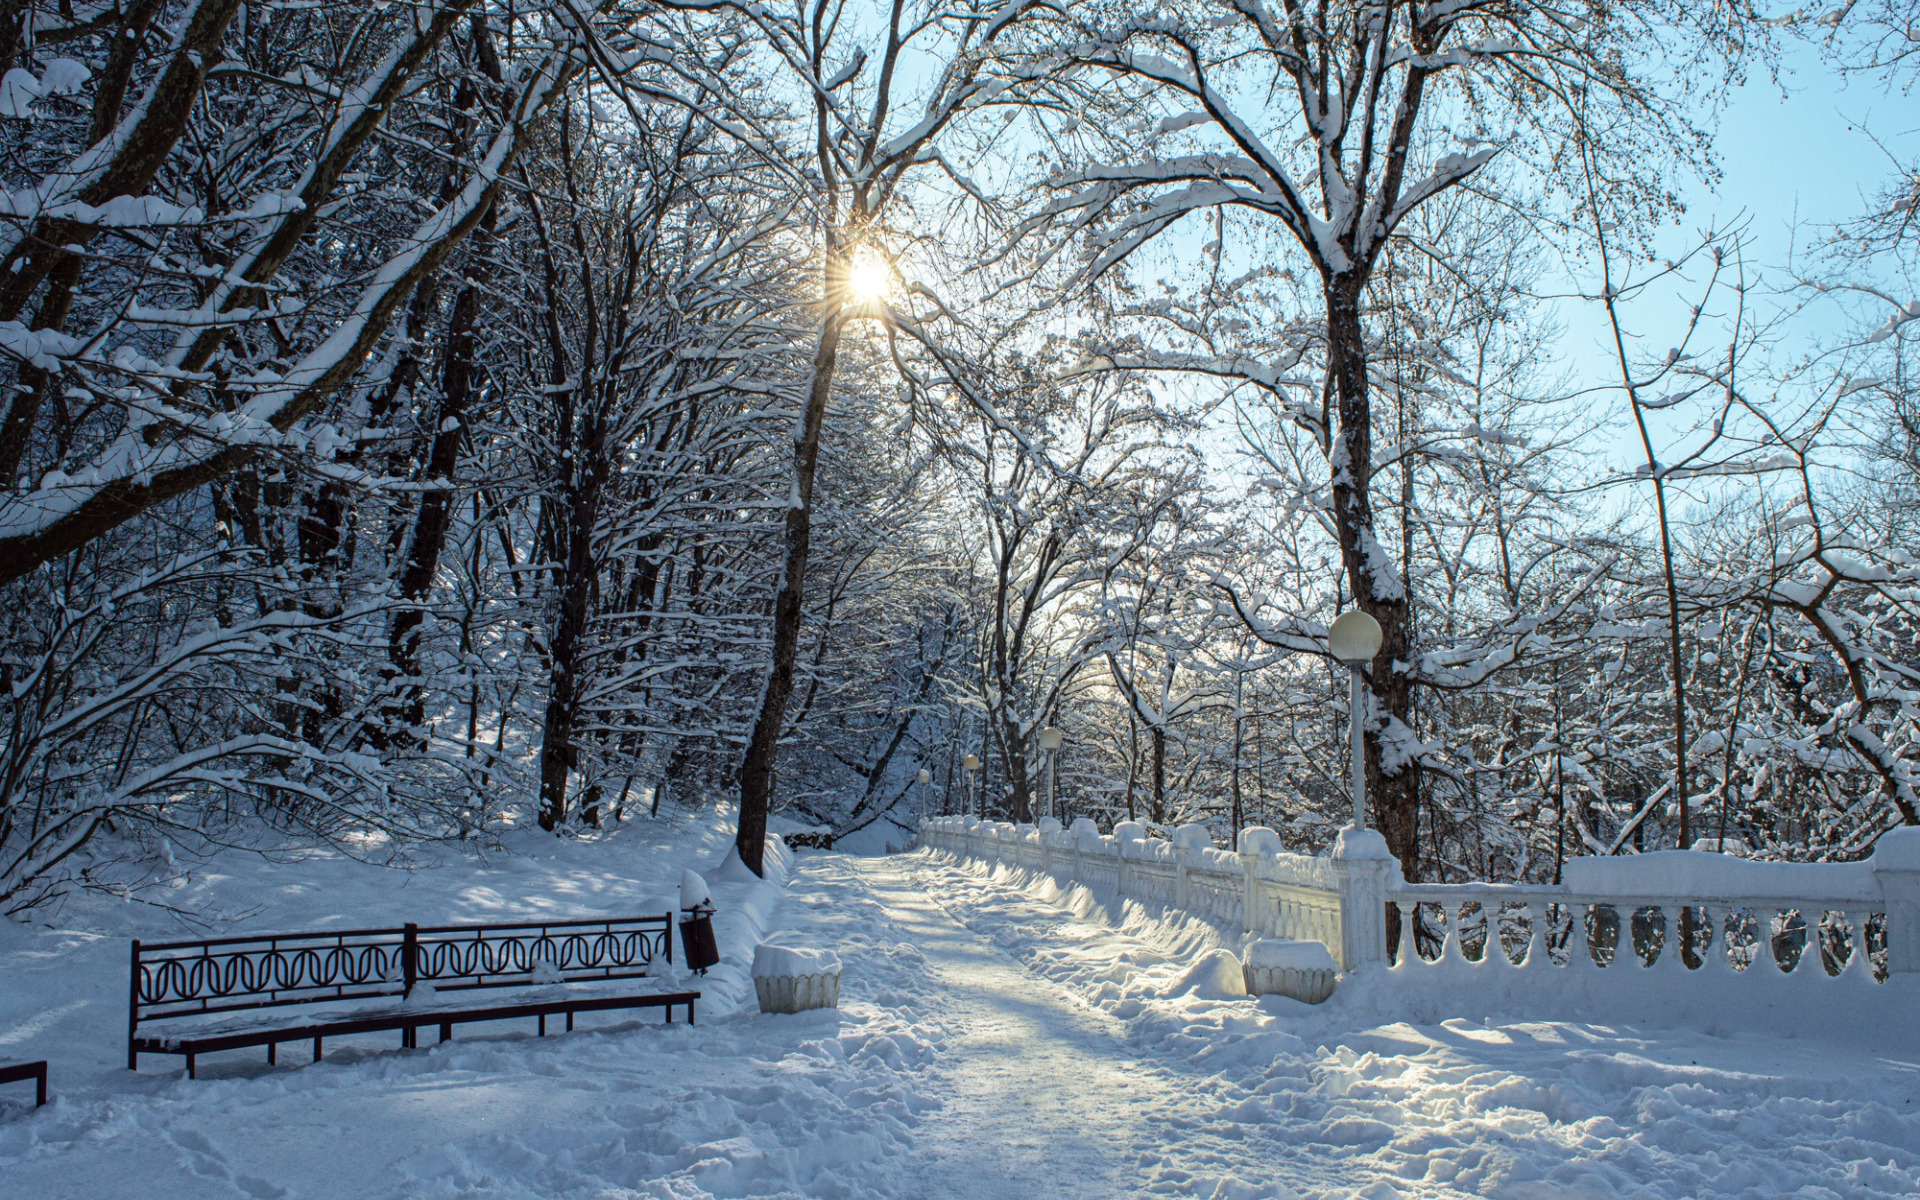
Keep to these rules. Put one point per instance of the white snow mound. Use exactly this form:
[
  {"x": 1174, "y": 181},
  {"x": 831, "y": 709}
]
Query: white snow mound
[
  {"x": 693, "y": 890},
  {"x": 1215, "y": 976}
]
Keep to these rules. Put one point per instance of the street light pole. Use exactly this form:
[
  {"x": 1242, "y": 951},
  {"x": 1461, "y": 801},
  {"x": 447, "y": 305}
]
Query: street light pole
[
  {"x": 1051, "y": 740},
  {"x": 1354, "y": 638},
  {"x": 925, "y": 777},
  {"x": 972, "y": 763}
]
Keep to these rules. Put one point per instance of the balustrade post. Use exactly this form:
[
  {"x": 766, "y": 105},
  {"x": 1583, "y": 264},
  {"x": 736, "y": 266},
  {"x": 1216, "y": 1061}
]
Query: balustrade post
[
  {"x": 1896, "y": 864},
  {"x": 1362, "y": 863},
  {"x": 1124, "y": 832},
  {"x": 1249, "y": 891},
  {"x": 1254, "y": 841}
]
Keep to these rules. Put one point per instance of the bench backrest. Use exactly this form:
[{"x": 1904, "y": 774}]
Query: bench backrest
[{"x": 215, "y": 975}]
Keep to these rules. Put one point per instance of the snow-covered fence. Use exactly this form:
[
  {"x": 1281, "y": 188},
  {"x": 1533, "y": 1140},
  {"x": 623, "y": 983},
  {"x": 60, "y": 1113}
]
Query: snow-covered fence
[
  {"x": 1260, "y": 889},
  {"x": 1854, "y": 920},
  {"x": 1808, "y": 919}
]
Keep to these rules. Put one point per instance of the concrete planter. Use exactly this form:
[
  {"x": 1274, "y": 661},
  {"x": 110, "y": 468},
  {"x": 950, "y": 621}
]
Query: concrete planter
[
  {"x": 791, "y": 980},
  {"x": 1311, "y": 985},
  {"x": 1300, "y": 970},
  {"x": 797, "y": 993}
]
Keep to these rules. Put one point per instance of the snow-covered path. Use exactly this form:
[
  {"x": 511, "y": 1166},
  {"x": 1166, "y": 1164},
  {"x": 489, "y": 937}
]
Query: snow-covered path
[
  {"x": 1038, "y": 1094},
  {"x": 997, "y": 1040}
]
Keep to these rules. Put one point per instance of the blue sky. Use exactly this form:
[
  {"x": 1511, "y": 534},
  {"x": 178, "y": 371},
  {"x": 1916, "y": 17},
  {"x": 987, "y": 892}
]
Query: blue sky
[{"x": 1796, "y": 156}]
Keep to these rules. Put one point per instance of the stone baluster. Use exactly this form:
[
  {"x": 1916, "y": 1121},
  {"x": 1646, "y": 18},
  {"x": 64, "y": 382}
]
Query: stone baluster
[
  {"x": 1673, "y": 959},
  {"x": 1495, "y": 955},
  {"x": 1713, "y": 956},
  {"x": 1538, "y": 934},
  {"x": 1498, "y": 945},
  {"x": 1857, "y": 962},
  {"x": 1580, "y": 937}
]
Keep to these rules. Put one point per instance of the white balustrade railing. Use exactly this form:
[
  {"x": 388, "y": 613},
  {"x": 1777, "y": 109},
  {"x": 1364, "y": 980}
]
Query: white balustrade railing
[
  {"x": 1808, "y": 919},
  {"x": 1259, "y": 889}
]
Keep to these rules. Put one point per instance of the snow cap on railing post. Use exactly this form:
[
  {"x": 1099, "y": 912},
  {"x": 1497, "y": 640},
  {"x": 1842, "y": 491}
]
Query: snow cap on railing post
[
  {"x": 1896, "y": 865},
  {"x": 1085, "y": 833},
  {"x": 1187, "y": 841},
  {"x": 1258, "y": 839},
  {"x": 1193, "y": 837},
  {"x": 1364, "y": 866}
]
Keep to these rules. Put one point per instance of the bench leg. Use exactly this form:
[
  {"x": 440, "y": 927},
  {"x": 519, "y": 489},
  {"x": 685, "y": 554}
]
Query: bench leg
[
  {"x": 543, "y": 1024},
  {"x": 40, "y": 1089},
  {"x": 446, "y": 1030},
  {"x": 273, "y": 1054},
  {"x": 689, "y": 1012},
  {"x": 569, "y": 1020},
  {"x": 190, "y": 1072},
  {"x": 316, "y": 1049},
  {"x": 133, "y": 1058}
]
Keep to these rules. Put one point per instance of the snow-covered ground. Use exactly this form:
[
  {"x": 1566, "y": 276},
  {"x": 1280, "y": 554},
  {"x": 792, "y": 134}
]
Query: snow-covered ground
[{"x": 995, "y": 1039}]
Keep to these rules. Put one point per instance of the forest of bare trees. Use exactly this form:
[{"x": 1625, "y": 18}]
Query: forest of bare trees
[{"x": 429, "y": 418}]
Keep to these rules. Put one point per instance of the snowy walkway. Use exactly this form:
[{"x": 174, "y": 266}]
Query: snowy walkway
[
  {"x": 1038, "y": 1094},
  {"x": 992, "y": 1044}
]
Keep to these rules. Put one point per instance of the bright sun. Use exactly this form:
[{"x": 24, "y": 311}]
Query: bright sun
[{"x": 869, "y": 277}]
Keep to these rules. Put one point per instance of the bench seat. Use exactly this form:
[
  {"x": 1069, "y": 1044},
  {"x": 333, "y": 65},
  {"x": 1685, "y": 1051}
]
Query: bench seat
[{"x": 193, "y": 1043}]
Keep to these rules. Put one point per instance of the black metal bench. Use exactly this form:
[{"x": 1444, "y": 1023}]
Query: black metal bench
[
  {"x": 415, "y": 966},
  {"x": 21, "y": 1072}
]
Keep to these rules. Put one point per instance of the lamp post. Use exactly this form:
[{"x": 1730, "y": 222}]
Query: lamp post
[
  {"x": 1354, "y": 638},
  {"x": 1051, "y": 740},
  {"x": 925, "y": 777},
  {"x": 972, "y": 763}
]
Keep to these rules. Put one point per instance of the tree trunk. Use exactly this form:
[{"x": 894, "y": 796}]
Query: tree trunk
[
  {"x": 579, "y": 575},
  {"x": 435, "y": 514},
  {"x": 757, "y": 765},
  {"x": 1394, "y": 801},
  {"x": 1159, "y": 775}
]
